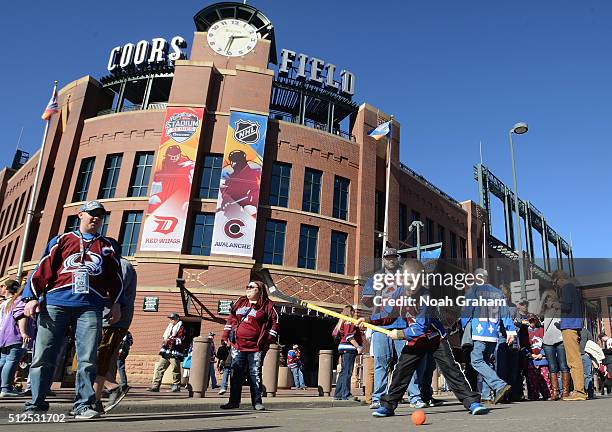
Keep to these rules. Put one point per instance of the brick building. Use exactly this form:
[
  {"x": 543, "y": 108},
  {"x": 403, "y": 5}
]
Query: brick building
[{"x": 321, "y": 208}]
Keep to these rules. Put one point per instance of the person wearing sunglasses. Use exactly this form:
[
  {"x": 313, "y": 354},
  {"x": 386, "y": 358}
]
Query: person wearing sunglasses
[{"x": 251, "y": 327}]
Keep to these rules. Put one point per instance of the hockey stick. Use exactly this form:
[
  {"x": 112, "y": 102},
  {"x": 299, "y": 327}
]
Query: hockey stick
[{"x": 267, "y": 278}]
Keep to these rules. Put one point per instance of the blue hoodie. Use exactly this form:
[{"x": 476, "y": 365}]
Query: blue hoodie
[{"x": 485, "y": 320}]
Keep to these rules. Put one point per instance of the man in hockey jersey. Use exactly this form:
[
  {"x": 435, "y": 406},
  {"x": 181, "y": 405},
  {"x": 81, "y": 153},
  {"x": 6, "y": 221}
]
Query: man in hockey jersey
[
  {"x": 172, "y": 183},
  {"x": 76, "y": 276},
  {"x": 484, "y": 322}
]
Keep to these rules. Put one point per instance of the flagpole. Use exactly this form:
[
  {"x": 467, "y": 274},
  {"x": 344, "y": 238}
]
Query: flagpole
[
  {"x": 30, "y": 212},
  {"x": 389, "y": 147}
]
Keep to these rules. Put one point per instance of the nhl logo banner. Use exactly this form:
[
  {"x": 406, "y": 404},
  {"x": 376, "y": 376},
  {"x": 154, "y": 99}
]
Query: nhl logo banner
[
  {"x": 164, "y": 224},
  {"x": 236, "y": 215}
]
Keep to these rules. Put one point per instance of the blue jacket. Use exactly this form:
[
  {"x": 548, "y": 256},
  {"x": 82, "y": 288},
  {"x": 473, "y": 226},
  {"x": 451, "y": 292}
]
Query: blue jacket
[
  {"x": 387, "y": 317},
  {"x": 486, "y": 320},
  {"x": 571, "y": 307},
  {"x": 422, "y": 320}
]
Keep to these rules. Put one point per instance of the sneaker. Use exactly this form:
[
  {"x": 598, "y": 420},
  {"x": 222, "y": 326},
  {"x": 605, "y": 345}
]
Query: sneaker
[
  {"x": 418, "y": 405},
  {"x": 10, "y": 393},
  {"x": 259, "y": 407},
  {"x": 87, "y": 414},
  {"x": 222, "y": 392},
  {"x": 98, "y": 407},
  {"x": 153, "y": 389},
  {"x": 478, "y": 409},
  {"x": 175, "y": 388},
  {"x": 374, "y": 405},
  {"x": 501, "y": 394},
  {"x": 116, "y": 396},
  {"x": 28, "y": 392},
  {"x": 383, "y": 412},
  {"x": 433, "y": 402},
  {"x": 230, "y": 405},
  {"x": 105, "y": 394}
]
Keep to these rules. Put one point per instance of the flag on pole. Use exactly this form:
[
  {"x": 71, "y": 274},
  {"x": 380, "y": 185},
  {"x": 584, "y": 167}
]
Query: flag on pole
[
  {"x": 52, "y": 106},
  {"x": 382, "y": 130}
]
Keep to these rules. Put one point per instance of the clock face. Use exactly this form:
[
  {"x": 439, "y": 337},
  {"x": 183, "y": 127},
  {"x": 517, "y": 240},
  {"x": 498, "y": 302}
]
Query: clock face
[{"x": 232, "y": 37}]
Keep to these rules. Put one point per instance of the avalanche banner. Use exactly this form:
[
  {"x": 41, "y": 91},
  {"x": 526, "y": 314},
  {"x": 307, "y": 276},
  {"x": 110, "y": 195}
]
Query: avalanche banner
[
  {"x": 236, "y": 215},
  {"x": 164, "y": 224}
]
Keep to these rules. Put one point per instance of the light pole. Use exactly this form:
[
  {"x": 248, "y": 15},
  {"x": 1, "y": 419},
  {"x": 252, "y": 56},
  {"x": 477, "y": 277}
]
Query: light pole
[{"x": 519, "y": 129}]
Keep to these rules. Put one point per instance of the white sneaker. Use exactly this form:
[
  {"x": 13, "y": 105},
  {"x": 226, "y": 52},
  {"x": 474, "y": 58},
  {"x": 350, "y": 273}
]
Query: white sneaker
[
  {"x": 87, "y": 414},
  {"x": 374, "y": 405},
  {"x": 222, "y": 391}
]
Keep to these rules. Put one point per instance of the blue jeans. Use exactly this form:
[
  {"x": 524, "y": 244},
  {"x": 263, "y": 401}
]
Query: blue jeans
[
  {"x": 246, "y": 362},
  {"x": 9, "y": 360},
  {"x": 298, "y": 377},
  {"x": 419, "y": 389},
  {"x": 480, "y": 357},
  {"x": 121, "y": 371},
  {"x": 555, "y": 354},
  {"x": 588, "y": 376},
  {"x": 227, "y": 372},
  {"x": 343, "y": 383},
  {"x": 385, "y": 349},
  {"x": 211, "y": 375},
  {"x": 52, "y": 324}
]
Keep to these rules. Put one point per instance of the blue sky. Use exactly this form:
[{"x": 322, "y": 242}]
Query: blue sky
[{"x": 453, "y": 73}]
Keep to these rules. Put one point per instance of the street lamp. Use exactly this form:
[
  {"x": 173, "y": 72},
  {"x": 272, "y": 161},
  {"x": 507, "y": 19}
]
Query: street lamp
[{"x": 519, "y": 129}]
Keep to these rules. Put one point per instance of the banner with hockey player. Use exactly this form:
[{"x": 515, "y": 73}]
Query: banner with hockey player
[
  {"x": 164, "y": 224},
  {"x": 236, "y": 215}
]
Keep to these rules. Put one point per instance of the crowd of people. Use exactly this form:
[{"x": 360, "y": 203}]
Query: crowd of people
[{"x": 82, "y": 286}]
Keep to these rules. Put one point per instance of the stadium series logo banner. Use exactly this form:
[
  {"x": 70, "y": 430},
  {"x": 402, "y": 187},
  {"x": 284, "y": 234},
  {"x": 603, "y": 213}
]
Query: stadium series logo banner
[
  {"x": 236, "y": 215},
  {"x": 164, "y": 224}
]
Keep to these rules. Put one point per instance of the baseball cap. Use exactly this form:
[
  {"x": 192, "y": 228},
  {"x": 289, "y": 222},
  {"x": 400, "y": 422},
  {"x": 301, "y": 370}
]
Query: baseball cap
[
  {"x": 296, "y": 346},
  {"x": 211, "y": 333},
  {"x": 174, "y": 316},
  {"x": 91, "y": 206},
  {"x": 390, "y": 252},
  {"x": 523, "y": 302}
]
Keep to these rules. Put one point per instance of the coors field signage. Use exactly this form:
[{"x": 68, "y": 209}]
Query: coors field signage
[
  {"x": 315, "y": 71},
  {"x": 164, "y": 224},
  {"x": 133, "y": 56},
  {"x": 236, "y": 215}
]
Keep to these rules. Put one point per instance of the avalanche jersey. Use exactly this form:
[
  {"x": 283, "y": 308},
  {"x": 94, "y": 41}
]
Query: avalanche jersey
[{"x": 52, "y": 278}]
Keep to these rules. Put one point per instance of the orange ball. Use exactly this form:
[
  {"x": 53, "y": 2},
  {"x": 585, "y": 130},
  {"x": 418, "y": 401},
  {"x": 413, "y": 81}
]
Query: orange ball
[{"x": 418, "y": 417}]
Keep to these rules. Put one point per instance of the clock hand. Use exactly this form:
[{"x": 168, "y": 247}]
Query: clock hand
[{"x": 229, "y": 43}]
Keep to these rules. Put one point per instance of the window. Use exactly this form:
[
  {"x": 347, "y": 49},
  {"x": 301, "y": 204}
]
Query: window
[
  {"x": 341, "y": 195},
  {"x": 414, "y": 216},
  {"x": 6, "y": 219},
  {"x": 279, "y": 186},
  {"x": 453, "y": 245},
  {"x": 274, "y": 245},
  {"x": 23, "y": 215},
  {"x": 307, "y": 254},
  {"x": 9, "y": 225},
  {"x": 20, "y": 208},
  {"x": 105, "y": 224},
  {"x": 12, "y": 260},
  {"x": 202, "y": 234},
  {"x": 140, "y": 174},
  {"x": 110, "y": 176},
  {"x": 429, "y": 230},
  {"x": 211, "y": 175},
  {"x": 337, "y": 256},
  {"x": 83, "y": 178},
  {"x": 312, "y": 190},
  {"x": 72, "y": 223},
  {"x": 403, "y": 223},
  {"x": 441, "y": 235},
  {"x": 5, "y": 258},
  {"x": 463, "y": 252},
  {"x": 129, "y": 232},
  {"x": 379, "y": 211}
]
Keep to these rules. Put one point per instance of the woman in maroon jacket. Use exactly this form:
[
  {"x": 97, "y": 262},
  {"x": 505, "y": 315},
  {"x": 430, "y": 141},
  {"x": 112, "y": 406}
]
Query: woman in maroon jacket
[{"x": 251, "y": 327}]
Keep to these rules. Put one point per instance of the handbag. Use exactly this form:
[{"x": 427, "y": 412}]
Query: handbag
[{"x": 466, "y": 340}]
